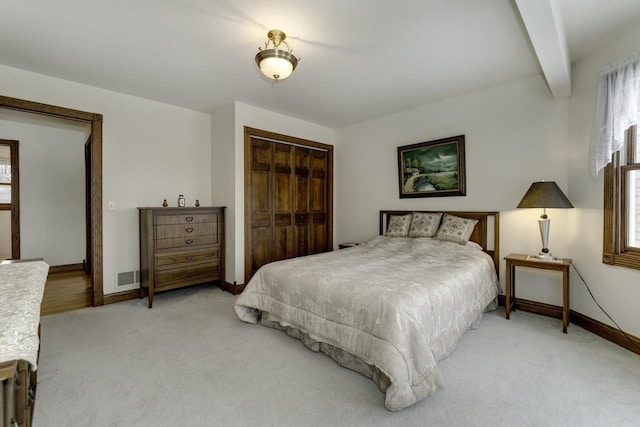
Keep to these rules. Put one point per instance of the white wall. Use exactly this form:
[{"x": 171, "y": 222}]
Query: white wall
[
  {"x": 515, "y": 134},
  {"x": 223, "y": 140},
  {"x": 151, "y": 151},
  {"x": 617, "y": 289},
  {"x": 5, "y": 235},
  {"x": 52, "y": 185},
  {"x": 223, "y": 177}
]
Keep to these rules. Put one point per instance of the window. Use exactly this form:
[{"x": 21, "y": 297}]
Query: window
[
  {"x": 622, "y": 205},
  {"x": 5, "y": 177}
]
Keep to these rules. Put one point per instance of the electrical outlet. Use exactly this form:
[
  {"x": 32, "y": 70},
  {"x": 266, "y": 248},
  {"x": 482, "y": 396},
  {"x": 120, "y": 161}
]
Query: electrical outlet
[{"x": 112, "y": 205}]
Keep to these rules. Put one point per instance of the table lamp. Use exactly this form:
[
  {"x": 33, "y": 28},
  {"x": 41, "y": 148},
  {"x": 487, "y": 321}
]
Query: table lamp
[{"x": 544, "y": 194}]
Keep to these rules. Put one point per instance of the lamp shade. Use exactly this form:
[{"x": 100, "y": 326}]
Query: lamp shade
[{"x": 544, "y": 194}]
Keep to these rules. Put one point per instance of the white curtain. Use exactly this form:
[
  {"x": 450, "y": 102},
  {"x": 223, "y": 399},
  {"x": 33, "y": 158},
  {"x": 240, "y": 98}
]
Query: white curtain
[
  {"x": 5, "y": 170},
  {"x": 617, "y": 107}
]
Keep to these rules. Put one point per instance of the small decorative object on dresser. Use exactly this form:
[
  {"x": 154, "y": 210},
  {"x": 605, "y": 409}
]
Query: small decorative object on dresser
[
  {"x": 197, "y": 203},
  {"x": 180, "y": 247},
  {"x": 164, "y": 203},
  {"x": 181, "y": 201}
]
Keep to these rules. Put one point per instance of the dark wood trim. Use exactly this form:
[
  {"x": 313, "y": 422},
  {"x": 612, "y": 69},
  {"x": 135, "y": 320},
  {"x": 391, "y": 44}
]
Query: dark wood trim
[
  {"x": 65, "y": 268},
  {"x": 95, "y": 120},
  {"x": 121, "y": 296},
  {"x": 14, "y": 206},
  {"x": 234, "y": 289},
  {"x": 44, "y": 109},
  {"x": 534, "y": 307},
  {"x": 96, "y": 209},
  {"x": 607, "y": 332},
  {"x": 601, "y": 329}
]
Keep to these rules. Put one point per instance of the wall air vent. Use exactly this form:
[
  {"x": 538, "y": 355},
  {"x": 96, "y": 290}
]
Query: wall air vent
[{"x": 128, "y": 278}]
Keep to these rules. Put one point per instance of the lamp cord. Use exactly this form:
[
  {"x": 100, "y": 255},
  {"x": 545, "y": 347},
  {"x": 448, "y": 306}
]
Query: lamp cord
[{"x": 603, "y": 310}]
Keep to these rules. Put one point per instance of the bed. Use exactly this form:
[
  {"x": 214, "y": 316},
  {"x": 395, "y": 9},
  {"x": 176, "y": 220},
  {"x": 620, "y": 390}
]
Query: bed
[
  {"x": 21, "y": 290},
  {"x": 390, "y": 308}
]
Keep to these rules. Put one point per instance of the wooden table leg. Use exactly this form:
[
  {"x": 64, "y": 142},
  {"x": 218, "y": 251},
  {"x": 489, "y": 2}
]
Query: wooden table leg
[
  {"x": 565, "y": 300},
  {"x": 507, "y": 303}
]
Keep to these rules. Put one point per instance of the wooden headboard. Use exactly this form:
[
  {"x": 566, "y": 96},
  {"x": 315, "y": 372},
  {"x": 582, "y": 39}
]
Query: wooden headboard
[{"x": 486, "y": 233}]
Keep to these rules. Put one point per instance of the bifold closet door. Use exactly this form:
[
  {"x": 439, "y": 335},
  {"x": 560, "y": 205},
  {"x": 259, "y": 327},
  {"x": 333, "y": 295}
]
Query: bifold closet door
[{"x": 287, "y": 202}]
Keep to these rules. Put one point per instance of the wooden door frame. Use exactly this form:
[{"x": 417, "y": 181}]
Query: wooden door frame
[
  {"x": 95, "y": 121},
  {"x": 267, "y": 135},
  {"x": 15, "y": 195}
]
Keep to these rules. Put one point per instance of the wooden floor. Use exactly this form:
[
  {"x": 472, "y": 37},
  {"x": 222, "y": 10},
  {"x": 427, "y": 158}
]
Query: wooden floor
[{"x": 66, "y": 291}]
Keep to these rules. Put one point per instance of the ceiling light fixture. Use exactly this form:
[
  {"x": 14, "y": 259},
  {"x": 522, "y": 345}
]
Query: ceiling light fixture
[{"x": 275, "y": 62}]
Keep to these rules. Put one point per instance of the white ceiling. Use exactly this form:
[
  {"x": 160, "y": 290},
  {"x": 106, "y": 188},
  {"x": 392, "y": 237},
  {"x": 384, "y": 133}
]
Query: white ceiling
[{"x": 360, "y": 59}]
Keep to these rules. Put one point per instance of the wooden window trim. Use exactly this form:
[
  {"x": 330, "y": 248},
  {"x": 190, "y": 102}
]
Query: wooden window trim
[{"x": 615, "y": 250}]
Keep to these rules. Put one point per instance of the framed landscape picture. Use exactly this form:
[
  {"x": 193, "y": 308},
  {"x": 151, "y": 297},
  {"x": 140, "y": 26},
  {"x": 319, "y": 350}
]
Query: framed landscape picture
[{"x": 432, "y": 169}]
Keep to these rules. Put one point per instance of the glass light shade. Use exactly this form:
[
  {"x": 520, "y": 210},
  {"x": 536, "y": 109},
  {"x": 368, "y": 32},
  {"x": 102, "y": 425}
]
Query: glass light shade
[{"x": 276, "y": 64}]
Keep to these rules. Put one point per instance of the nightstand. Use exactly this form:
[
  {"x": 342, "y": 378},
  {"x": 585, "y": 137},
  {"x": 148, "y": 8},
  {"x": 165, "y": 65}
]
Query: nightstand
[
  {"x": 520, "y": 260},
  {"x": 347, "y": 245}
]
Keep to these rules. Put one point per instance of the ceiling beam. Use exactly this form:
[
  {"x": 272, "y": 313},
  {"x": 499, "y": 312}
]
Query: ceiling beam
[{"x": 543, "y": 24}]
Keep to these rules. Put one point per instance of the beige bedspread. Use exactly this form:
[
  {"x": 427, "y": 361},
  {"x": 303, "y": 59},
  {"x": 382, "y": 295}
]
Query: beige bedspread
[
  {"x": 399, "y": 304},
  {"x": 21, "y": 290}
]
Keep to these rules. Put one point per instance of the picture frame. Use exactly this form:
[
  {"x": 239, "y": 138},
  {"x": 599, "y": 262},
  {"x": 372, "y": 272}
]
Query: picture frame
[{"x": 433, "y": 168}]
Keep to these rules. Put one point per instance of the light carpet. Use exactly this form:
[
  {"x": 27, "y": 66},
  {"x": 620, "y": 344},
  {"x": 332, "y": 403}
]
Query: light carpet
[{"x": 190, "y": 362}]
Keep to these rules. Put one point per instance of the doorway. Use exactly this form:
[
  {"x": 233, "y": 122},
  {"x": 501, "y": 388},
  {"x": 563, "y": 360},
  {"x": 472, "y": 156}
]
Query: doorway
[{"x": 94, "y": 189}]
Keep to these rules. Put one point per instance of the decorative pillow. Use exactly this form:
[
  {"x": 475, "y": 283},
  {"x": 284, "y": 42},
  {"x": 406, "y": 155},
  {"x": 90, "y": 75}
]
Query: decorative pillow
[
  {"x": 424, "y": 224},
  {"x": 456, "y": 229},
  {"x": 398, "y": 225}
]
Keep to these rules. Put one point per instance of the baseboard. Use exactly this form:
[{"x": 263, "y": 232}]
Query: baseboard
[
  {"x": 121, "y": 296},
  {"x": 607, "y": 332},
  {"x": 135, "y": 293},
  {"x": 592, "y": 325},
  {"x": 235, "y": 289},
  {"x": 65, "y": 268}
]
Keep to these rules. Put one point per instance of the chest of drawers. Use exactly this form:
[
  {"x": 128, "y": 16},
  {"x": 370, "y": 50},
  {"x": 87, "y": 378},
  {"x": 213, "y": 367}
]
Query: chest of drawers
[{"x": 180, "y": 247}]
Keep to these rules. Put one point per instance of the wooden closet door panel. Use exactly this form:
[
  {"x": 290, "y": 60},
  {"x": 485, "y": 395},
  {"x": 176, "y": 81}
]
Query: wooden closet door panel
[
  {"x": 260, "y": 204},
  {"x": 283, "y": 201},
  {"x": 301, "y": 244},
  {"x": 318, "y": 202}
]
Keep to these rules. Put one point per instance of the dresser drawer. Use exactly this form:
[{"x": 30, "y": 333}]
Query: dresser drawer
[
  {"x": 186, "y": 242},
  {"x": 177, "y": 258},
  {"x": 185, "y": 230},
  {"x": 186, "y": 218},
  {"x": 185, "y": 275}
]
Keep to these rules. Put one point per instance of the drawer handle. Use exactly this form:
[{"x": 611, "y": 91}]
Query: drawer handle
[
  {"x": 190, "y": 273},
  {"x": 189, "y": 229},
  {"x": 189, "y": 241},
  {"x": 189, "y": 257},
  {"x": 189, "y": 219}
]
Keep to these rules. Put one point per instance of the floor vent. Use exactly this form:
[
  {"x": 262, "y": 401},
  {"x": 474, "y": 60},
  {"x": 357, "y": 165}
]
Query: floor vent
[{"x": 128, "y": 278}]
